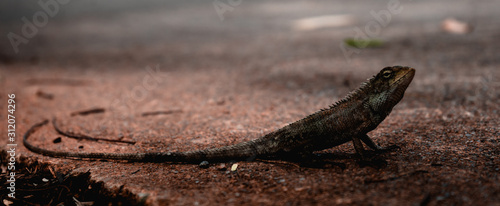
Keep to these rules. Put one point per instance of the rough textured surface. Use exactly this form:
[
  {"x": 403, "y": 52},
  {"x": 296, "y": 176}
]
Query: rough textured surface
[{"x": 235, "y": 80}]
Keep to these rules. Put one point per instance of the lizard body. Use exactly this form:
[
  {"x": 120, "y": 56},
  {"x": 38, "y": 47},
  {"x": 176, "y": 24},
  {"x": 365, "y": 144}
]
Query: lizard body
[{"x": 350, "y": 119}]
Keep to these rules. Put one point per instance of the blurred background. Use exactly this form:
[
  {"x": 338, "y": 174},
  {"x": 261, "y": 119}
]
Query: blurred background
[
  {"x": 323, "y": 48},
  {"x": 162, "y": 31}
]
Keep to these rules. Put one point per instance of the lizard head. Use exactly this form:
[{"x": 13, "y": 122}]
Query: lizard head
[{"x": 388, "y": 88}]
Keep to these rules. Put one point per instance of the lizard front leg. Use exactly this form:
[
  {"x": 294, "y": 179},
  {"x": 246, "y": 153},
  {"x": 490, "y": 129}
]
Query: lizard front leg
[
  {"x": 368, "y": 161},
  {"x": 374, "y": 146},
  {"x": 358, "y": 146}
]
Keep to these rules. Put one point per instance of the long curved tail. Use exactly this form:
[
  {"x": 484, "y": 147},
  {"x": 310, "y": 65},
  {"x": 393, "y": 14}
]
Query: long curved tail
[{"x": 242, "y": 151}]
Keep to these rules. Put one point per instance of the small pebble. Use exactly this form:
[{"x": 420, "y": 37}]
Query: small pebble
[
  {"x": 204, "y": 164},
  {"x": 57, "y": 140},
  {"x": 234, "y": 167},
  {"x": 222, "y": 167}
]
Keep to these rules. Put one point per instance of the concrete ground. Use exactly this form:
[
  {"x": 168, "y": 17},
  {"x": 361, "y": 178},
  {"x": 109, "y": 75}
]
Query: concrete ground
[{"x": 222, "y": 72}]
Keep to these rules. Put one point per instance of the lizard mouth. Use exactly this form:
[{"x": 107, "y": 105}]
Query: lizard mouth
[
  {"x": 406, "y": 77},
  {"x": 399, "y": 86}
]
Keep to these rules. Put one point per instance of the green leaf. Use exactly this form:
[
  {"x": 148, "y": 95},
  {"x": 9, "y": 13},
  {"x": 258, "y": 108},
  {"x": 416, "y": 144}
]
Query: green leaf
[{"x": 363, "y": 43}]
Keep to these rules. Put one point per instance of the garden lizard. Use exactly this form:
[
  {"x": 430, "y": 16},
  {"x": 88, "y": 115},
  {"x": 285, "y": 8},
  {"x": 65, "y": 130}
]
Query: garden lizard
[{"x": 349, "y": 119}]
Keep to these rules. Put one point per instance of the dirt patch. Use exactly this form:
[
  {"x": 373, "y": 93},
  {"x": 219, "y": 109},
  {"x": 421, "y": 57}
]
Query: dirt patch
[{"x": 43, "y": 184}]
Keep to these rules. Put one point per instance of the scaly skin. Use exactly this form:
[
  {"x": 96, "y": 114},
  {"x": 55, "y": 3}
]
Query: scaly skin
[{"x": 349, "y": 119}]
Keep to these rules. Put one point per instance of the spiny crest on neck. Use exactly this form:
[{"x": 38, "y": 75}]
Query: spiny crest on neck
[{"x": 356, "y": 94}]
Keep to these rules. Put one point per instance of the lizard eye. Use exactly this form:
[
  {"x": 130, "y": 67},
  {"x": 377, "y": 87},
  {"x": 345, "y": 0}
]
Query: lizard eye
[{"x": 387, "y": 74}]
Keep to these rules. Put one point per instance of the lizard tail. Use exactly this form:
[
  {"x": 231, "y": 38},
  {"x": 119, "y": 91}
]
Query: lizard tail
[
  {"x": 246, "y": 151},
  {"x": 243, "y": 151}
]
